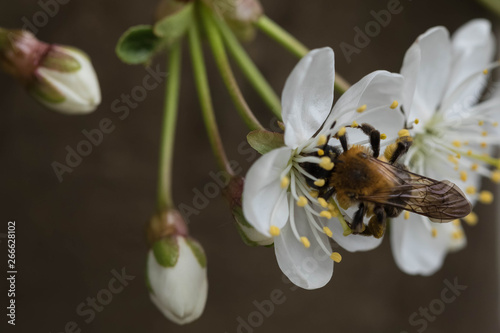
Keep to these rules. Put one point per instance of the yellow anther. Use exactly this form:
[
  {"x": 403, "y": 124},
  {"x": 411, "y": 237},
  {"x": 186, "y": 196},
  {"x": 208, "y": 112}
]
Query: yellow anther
[
  {"x": 285, "y": 181},
  {"x": 484, "y": 145},
  {"x": 495, "y": 176},
  {"x": 341, "y": 132},
  {"x": 332, "y": 207},
  {"x": 466, "y": 143},
  {"x": 383, "y": 136},
  {"x": 320, "y": 182},
  {"x": 474, "y": 167},
  {"x": 321, "y": 152},
  {"x": 407, "y": 215},
  {"x": 481, "y": 122},
  {"x": 463, "y": 176},
  {"x": 322, "y": 140},
  {"x": 486, "y": 197},
  {"x": 274, "y": 231},
  {"x": 326, "y": 163},
  {"x": 323, "y": 202},
  {"x": 452, "y": 159},
  {"x": 302, "y": 202},
  {"x": 403, "y": 132},
  {"x": 495, "y": 124},
  {"x": 314, "y": 194},
  {"x": 458, "y": 156},
  {"x": 456, "y": 223},
  {"x": 327, "y": 231},
  {"x": 305, "y": 241},
  {"x": 457, "y": 143},
  {"x": 469, "y": 152},
  {"x": 416, "y": 121},
  {"x": 354, "y": 124},
  {"x": 470, "y": 190},
  {"x": 471, "y": 219},
  {"x": 361, "y": 108},
  {"x": 457, "y": 234},
  {"x": 325, "y": 214},
  {"x": 336, "y": 257},
  {"x": 484, "y": 133},
  {"x": 394, "y": 105},
  {"x": 485, "y": 72},
  {"x": 434, "y": 232}
]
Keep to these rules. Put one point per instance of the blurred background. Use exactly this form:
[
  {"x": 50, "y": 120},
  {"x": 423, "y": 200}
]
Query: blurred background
[{"x": 72, "y": 234}]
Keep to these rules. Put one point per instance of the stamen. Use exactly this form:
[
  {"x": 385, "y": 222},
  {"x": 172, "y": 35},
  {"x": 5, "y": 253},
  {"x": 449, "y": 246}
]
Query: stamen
[
  {"x": 326, "y": 163},
  {"x": 495, "y": 124},
  {"x": 481, "y": 123},
  {"x": 361, "y": 108},
  {"x": 416, "y": 121},
  {"x": 325, "y": 214},
  {"x": 485, "y": 72},
  {"x": 285, "y": 181},
  {"x": 484, "y": 145},
  {"x": 434, "y": 232},
  {"x": 341, "y": 132},
  {"x": 354, "y": 124},
  {"x": 314, "y": 194},
  {"x": 328, "y": 232},
  {"x": 495, "y": 176},
  {"x": 474, "y": 167},
  {"x": 457, "y": 234},
  {"x": 486, "y": 197},
  {"x": 305, "y": 241},
  {"x": 336, "y": 257},
  {"x": 471, "y": 219},
  {"x": 457, "y": 143},
  {"x": 403, "y": 132},
  {"x": 383, "y": 136},
  {"x": 463, "y": 176},
  {"x": 407, "y": 215},
  {"x": 394, "y": 105},
  {"x": 470, "y": 190},
  {"x": 322, "y": 202},
  {"x": 321, "y": 152},
  {"x": 320, "y": 183},
  {"x": 302, "y": 201},
  {"x": 274, "y": 231},
  {"x": 484, "y": 133},
  {"x": 456, "y": 223},
  {"x": 322, "y": 140}
]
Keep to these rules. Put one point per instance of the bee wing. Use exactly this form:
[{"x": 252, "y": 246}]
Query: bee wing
[{"x": 440, "y": 201}]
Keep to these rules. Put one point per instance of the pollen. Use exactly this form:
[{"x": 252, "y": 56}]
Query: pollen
[
  {"x": 394, "y": 105},
  {"x": 407, "y": 215},
  {"x": 457, "y": 143},
  {"x": 403, "y": 132},
  {"x": 302, "y": 201},
  {"x": 321, "y": 152},
  {"x": 469, "y": 152},
  {"x": 326, "y": 214},
  {"x": 484, "y": 133},
  {"x": 362, "y": 108},
  {"x": 341, "y": 132},
  {"x": 484, "y": 145},
  {"x": 274, "y": 230},
  {"x": 336, "y": 257},
  {"x": 383, "y": 136},
  {"x": 474, "y": 167},
  {"x": 463, "y": 176},
  {"x": 305, "y": 241},
  {"x": 485, "y": 72},
  {"x": 320, "y": 182},
  {"x": 326, "y": 163},
  {"x": 495, "y": 176},
  {"x": 486, "y": 197},
  {"x": 328, "y": 232},
  {"x": 470, "y": 190},
  {"x": 457, "y": 234},
  {"x": 323, "y": 202},
  {"x": 452, "y": 159},
  {"x": 495, "y": 124},
  {"x": 285, "y": 181},
  {"x": 354, "y": 124},
  {"x": 314, "y": 194},
  {"x": 434, "y": 232},
  {"x": 471, "y": 219},
  {"x": 481, "y": 123},
  {"x": 322, "y": 140}
]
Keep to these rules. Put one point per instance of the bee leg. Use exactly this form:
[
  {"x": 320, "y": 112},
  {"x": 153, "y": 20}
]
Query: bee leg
[
  {"x": 377, "y": 223},
  {"x": 403, "y": 144},
  {"x": 357, "y": 222},
  {"x": 374, "y": 138}
]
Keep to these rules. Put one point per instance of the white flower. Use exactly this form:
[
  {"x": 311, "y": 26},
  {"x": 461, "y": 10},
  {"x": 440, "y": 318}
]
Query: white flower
[
  {"x": 277, "y": 200},
  {"x": 177, "y": 278},
  {"x": 444, "y": 80}
]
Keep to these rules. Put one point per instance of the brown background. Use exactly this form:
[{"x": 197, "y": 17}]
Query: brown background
[{"x": 70, "y": 235}]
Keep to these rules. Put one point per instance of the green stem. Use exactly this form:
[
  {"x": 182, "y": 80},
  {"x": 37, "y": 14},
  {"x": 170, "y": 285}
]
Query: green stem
[
  {"x": 200, "y": 75},
  {"x": 222, "y": 61},
  {"x": 249, "y": 69},
  {"x": 290, "y": 43},
  {"x": 165, "y": 200},
  {"x": 492, "y": 5}
]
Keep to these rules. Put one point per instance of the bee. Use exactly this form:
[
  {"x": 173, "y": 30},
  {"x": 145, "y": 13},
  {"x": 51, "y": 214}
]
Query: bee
[{"x": 384, "y": 189}]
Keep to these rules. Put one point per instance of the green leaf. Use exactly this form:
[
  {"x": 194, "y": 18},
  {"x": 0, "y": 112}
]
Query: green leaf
[
  {"x": 197, "y": 251},
  {"x": 171, "y": 28},
  {"x": 264, "y": 141},
  {"x": 166, "y": 251},
  {"x": 138, "y": 45}
]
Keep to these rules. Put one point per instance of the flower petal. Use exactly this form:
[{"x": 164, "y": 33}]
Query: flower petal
[
  {"x": 351, "y": 243},
  {"x": 473, "y": 49},
  {"x": 308, "y": 96},
  {"x": 265, "y": 203},
  {"x": 414, "y": 248},
  {"x": 410, "y": 70},
  {"x": 308, "y": 268}
]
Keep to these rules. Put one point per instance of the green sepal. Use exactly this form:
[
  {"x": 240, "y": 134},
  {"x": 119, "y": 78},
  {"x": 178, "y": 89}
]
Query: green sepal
[
  {"x": 264, "y": 141},
  {"x": 166, "y": 251},
  {"x": 60, "y": 61},
  {"x": 198, "y": 251},
  {"x": 138, "y": 45},
  {"x": 173, "y": 27},
  {"x": 45, "y": 91}
]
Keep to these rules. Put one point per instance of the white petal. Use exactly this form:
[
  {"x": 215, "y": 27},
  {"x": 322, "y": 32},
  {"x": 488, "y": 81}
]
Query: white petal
[
  {"x": 433, "y": 71},
  {"x": 308, "y": 96},
  {"x": 377, "y": 90},
  {"x": 265, "y": 203},
  {"x": 414, "y": 248},
  {"x": 308, "y": 268},
  {"x": 410, "y": 71},
  {"x": 473, "y": 49},
  {"x": 180, "y": 292},
  {"x": 352, "y": 243}
]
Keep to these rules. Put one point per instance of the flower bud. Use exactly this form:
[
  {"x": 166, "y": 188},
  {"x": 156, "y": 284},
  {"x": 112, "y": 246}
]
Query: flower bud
[
  {"x": 233, "y": 192},
  {"x": 60, "y": 77}
]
